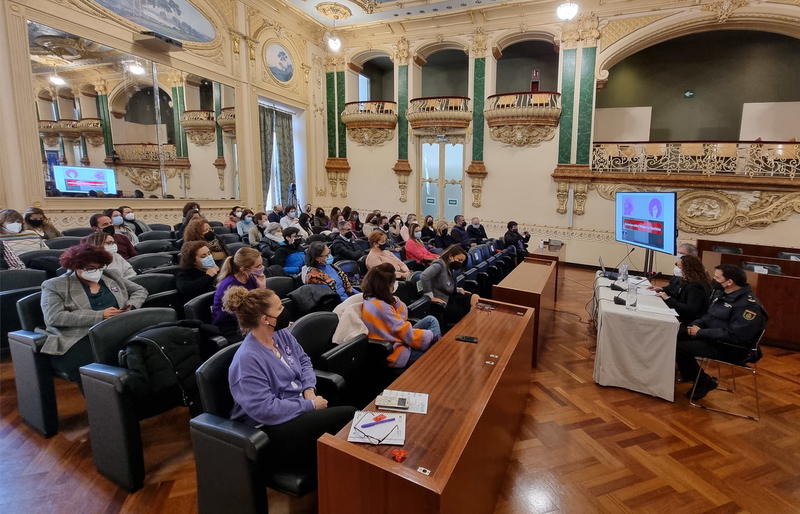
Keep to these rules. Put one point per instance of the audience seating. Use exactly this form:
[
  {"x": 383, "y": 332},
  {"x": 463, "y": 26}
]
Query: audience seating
[
  {"x": 316, "y": 238},
  {"x": 9, "y": 321},
  {"x": 727, "y": 249},
  {"x": 62, "y": 243},
  {"x": 789, "y": 255},
  {"x": 231, "y": 457},
  {"x": 21, "y": 278},
  {"x": 350, "y": 268},
  {"x": 282, "y": 286},
  {"x": 199, "y": 308},
  {"x": 772, "y": 269},
  {"x": 154, "y": 246},
  {"x": 28, "y": 257},
  {"x": 164, "y": 270},
  {"x": 161, "y": 291},
  {"x": 364, "y": 244},
  {"x": 235, "y": 247},
  {"x": 362, "y": 265},
  {"x": 157, "y": 234},
  {"x": 148, "y": 261},
  {"x": 221, "y": 231},
  {"x": 213, "y": 224},
  {"x": 78, "y": 231},
  {"x": 230, "y": 238},
  {"x": 159, "y": 227},
  {"x": 318, "y": 230}
]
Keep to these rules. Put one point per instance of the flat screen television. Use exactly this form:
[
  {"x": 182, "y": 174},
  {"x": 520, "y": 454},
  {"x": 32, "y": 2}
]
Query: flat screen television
[
  {"x": 648, "y": 220},
  {"x": 76, "y": 179}
]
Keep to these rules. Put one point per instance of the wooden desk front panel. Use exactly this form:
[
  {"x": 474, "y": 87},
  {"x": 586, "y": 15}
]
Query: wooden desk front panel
[
  {"x": 532, "y": 284},
  {"x": 474, "y": 410},
  {"x": 706, "y": 245}
]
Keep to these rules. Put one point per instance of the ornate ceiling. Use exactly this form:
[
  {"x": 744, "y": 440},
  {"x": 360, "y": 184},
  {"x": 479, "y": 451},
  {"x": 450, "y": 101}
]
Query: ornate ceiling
[{"x": 51, "y": 48}]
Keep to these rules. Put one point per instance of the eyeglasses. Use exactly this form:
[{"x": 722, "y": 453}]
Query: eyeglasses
[
  {"x": 372, "y": 439},
  {"x": 90, "y": 270}
]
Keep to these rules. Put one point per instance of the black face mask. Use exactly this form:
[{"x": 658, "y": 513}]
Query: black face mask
[
  {"x": 385, "y": 226},
  {"x": 456, "y": 265},
  {"x": 349, "y": 235},
  {"x": 444, "y": 231},
  {"x": 208, "y": 236},
  {"x": 430, "y": 223},
  {"x": 463, "y": 224},
  {"x": 297, "y": 243},
  {"x": 384, "y": 246},
  {"x": 109, "y": 230},
  {"x": 36, "y": 223},
  {"x": 717, "y": 285},
  {"x": 308, "y": 209}
]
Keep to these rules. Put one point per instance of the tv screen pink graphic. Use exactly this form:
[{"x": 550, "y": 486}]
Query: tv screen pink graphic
[
  {"x": 647, "y": 220},
  {"x": 75, "y": 179}
]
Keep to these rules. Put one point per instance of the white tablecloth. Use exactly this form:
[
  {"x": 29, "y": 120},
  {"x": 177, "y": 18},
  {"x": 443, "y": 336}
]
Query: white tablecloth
[{"x": 635, "y": 350}]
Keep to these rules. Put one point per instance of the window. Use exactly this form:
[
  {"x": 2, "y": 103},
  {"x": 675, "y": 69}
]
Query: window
[{"x": 363, "y": 88}]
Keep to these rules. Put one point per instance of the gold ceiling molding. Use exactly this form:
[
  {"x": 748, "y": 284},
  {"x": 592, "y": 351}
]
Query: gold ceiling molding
[
  {"x": 618, "y": 29},
  {"x": 402, "y": 54},
  {"x": 585, "y": 28},
  {"x": 334, "y": 11},
  {"x": 257, "y": 23},
  {"x": 724, "y": 8},
  {"x": 480, "y": 42}
]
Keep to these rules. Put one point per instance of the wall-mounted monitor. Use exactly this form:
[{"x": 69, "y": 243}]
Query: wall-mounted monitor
[
  {"x": 648, "y": 220},
  {"x": 75, "y": 179}
]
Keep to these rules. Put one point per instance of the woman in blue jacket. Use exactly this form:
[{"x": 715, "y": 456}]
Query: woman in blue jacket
[{"x": 289, "y": 255}]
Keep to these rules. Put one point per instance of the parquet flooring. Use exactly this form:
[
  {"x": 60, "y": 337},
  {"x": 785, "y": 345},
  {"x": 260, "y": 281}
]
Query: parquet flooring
[{"x": 582, "y": 448}]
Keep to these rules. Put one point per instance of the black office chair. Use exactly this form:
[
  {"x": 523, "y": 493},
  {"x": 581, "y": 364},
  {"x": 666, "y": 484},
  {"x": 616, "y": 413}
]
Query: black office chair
[
  {"x": 318, "y": 230},
  {"x": 316, "y": 238},
  {"x": 164, "y": 270},
  {"x": 362, "y": 265},
  {"x": 758, "y": 267},
  {"x": 62, "y": 243},
  {"x": 9, "y": 321},
  {"x": 727, "y": 249},
  {"x": 157, "y": 234},
  {"x": 158, "y": 227},
  {"x": 27, "y": 258},
  {"x": 235, "y": 247},
  {"x": 154, "y": 246},
  {"x": 747, "y": 363},
  {"x": 161, "y": 291},
  {"x": 223, "y": 231},
  {"x": 200, "y": 307},
  {"x": 21, "y": 278},
  {"x": 282, "y": 286},
  {"x": 78, "y": 231},
  {"x": 213, "y": 224},
  {"x": 789, "y": 255},
  {"x": 230, "y": 457},
  {"x": 149, "y": 261}
]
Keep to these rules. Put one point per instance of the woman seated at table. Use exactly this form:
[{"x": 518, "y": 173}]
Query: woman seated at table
[
  {"x": 106, "y": 242},
  {"x": 386, "y": 318},
  {"x": 319, "y": 269},
  {"x": 439, "y": 283},
  {"x": 416, "y": 249},
  {"x": 74, "y": 302},
  {"x": 245, "y": 269},
  {"x": 199, "y": 230},
  {"x": 198, "y": 271},
  {"x": 273, "y": 383},
  {"x": 378, "y": 254},
  {"x": 694, "y": 292}
]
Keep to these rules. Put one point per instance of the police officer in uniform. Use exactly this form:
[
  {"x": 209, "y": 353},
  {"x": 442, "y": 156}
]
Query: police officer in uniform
[{"x": 727, "y": 332}]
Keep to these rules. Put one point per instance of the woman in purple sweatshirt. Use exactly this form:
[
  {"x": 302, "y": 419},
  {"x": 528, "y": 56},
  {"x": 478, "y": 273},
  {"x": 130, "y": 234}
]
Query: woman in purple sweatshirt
[{"x": 273, "y": 383}]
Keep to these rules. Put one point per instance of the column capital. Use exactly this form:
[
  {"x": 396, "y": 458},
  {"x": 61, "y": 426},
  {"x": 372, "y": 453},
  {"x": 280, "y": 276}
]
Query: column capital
[{"x": 480, "y": 41}]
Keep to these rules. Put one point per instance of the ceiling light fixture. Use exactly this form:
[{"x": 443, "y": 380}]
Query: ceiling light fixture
[
  {"x": 567, "y": 10},
  {"x": 332, "y": 37},
  {"x": 58, "y": 81},
  {"x": 136, "y": 68}
]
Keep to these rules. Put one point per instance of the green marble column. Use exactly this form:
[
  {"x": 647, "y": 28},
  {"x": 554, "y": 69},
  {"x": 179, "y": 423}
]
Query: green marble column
[
  {"x": 586, "y": 105},
  {"x": 478, "y": 95},
  {"x": 341, "y": 130},
  {"x": 402, "y": 106},
  {"x": 569, "y": 62},
  {"x": 330, "y": 95},
  {"x": 178, "y": 107},
  {"x": 217, "y": 111},
  {"x": 105, "y": 120}
]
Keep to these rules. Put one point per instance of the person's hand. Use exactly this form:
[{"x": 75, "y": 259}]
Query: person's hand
[
  {"x": 692, "y": 330},
  {"x": 212, "y": 272},
  {"x": 261, "y": 281},
  {"x": 656, "y": 289},
  {"x": 438, "y": 300},
  {"x": 461, "y": 290},
  {"x": 309, "y": 394},
  {"x": 320, "y": 403},
  {"x": 526, "y": 233},
  {"x": 663, "y": 295},
  {"x": 113, "y": 311}
]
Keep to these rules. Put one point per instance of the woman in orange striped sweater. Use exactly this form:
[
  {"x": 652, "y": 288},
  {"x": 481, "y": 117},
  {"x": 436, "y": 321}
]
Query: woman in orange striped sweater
[{"x": 386, "y": 318}]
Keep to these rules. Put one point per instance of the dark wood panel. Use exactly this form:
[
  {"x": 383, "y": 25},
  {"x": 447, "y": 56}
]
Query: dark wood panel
[
  {"x": 778, "y": 295},
  {"x": 706, "y": 245},
  {"x": 790, "y": 268}
]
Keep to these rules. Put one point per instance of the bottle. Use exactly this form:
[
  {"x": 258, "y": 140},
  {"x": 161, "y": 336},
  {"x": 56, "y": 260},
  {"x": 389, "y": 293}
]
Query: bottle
[
  {"x": 623, "y": 273},
  {"x": 632, "y": 299}
]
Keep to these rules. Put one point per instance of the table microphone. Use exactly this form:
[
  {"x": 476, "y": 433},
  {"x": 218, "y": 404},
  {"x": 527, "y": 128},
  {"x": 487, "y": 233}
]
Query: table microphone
[
  {"x": 626, "y": 256},
  {"x": 618, "y": 300},
  {"x": 615, "y": 287}
]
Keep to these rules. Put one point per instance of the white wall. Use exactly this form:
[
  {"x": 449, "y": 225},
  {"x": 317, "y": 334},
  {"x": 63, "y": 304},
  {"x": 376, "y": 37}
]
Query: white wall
[
  {"x": 622, "y": 124},
  {"x": 772, "y": 121}
]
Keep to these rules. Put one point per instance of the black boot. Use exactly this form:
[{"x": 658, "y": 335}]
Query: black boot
[{"x": 704, "y": 385}]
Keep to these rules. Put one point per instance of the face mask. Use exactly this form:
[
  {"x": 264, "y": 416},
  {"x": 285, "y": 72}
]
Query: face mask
[
  {"x": 264, "y": 224},
  {"x": 384, "y": 246},
  {"x": 208, "y": 236},
  {"x": 308, "y": 209},
  {"x": 92, "y": 276},
  {"x": 418, "y": 234},
  {"x": 463, "y": 224},
  {"x": 130, "y": 216},
  {"x": 385, "y": 226},
  {"x": 112, "y": 249},
  {"x": 259, "y": 271},
  {"x": 36, "y": 223},
  {"x": 238, "y": 214},
  {"x": 455, "y": 265},
  {"x": 207, "y": 262},
  {"x": 348, "y": 235},
  {"x": 328, "y": 259},
  {"x": 430, "y": 223},
  {"x": 291, "y": 214},
  {"x": 14, "y": 228},
  {"x": 444, "y": 231},
  {"x": 109, "y": 230},
  {"x": 716, "y": 285},
  {"x": 248, "y": 219},
  {"x": 476, "y": 225},
  {"x": 394, "y": 287},
  {"x": 677, "y": 271},
  {"x": 296, "y": 243},
  {"x": 355, "y": 217},
  {"x": 117, "y": 220},
  {"x": 515, "y": 230}
]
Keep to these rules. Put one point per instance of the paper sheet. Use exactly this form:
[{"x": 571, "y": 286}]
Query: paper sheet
[
  {"x": 658, "y": 310},
  {"x": 417, "y": 402},
  {"x": 645, "y": 292},
  {"x": 392, "y": 432}
]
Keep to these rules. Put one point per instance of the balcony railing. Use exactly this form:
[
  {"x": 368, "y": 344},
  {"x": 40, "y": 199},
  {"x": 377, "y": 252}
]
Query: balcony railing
[
  {"x": 68, "y": 129},
  {"x": 143, "y": 152},
  {"x": 227, "y": 121},
  {"x": 523, "y": 119},
  {"x": 743, "y": 158},
  {"x": 198, "y": 121},
  {"x": 370, "y": 123},
  {"x": 439, "y": 114},
  {"x": 92, "y": 130}
]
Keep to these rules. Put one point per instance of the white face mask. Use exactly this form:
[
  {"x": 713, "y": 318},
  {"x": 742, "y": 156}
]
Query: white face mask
[
  {"x": 112, "y": 249},
  {"x": 394, "y": 287},
  {"x": 130, "y": 216},
  {"x": 14, "y": 228},
  {"x": 677, "y": 271},
  {"x": 92, "y": 276},
  {"x": 238, "y": 214}
]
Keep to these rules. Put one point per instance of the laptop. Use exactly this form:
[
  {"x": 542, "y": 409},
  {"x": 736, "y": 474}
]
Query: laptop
[{"x": 613, "y": 275}]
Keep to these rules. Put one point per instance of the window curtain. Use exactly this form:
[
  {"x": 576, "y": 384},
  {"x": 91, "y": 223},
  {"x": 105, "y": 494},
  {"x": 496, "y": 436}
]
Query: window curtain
[
  {"x": 285, "y": 141},
  {"x": 266, "y": 124}
]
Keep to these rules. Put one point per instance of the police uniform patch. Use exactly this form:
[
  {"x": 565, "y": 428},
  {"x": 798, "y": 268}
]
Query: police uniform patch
[{"x": 749, "y": 315}]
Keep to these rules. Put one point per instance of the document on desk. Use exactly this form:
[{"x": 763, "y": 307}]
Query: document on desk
[
  {"x": 645, "y": 292},
  {"x": 389, "y": 429},
  {"x": 417, "y": 402},
  {"x": 657, "y": 310}
]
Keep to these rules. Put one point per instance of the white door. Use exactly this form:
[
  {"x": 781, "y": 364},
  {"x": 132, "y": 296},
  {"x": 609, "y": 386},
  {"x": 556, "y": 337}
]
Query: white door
[{"x": 442, "y": 194}]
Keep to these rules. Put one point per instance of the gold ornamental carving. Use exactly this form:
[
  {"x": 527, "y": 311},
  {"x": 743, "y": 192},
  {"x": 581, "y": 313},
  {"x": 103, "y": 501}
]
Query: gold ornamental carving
[
  {"x": 201, "y": 138},
  {"x": 480, "y": 42},
  {"x": 562, "y": 195},
  {"x": 477, "y": 172},
  {"x": 220, "y": 164},
  {"x": 402, "y": 169},
  {"x": 609, "y": 191},
  {"x": 333, "y": 10},
  {"x": 580, "y": 189},
  {"x": 402, "y": 53},
  {"x": 522, "y": 135},
  {"x": 337, "y": 169},
  {"x": 618, "y": 29},
  {"x": 149, "y": 179},
  {"x": 585, "y": 28},
  {"x": 724, "y": 8},
  {"x": 370, "y": 136}
]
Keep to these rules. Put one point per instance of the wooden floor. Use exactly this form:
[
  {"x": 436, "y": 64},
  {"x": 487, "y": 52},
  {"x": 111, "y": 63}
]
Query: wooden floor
[{"x": 582, "y": 448}]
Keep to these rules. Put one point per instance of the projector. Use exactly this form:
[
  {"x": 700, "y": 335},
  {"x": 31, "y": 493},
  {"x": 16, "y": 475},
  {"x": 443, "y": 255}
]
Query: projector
[{"x": 158, "y": 42}]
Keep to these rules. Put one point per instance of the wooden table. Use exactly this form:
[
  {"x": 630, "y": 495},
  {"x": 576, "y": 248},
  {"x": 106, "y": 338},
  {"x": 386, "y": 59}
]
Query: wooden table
[
  {"x": 532, "y": 284},
  {"x": 553, "y": 253},
  {"x": 477, "y": 395}
]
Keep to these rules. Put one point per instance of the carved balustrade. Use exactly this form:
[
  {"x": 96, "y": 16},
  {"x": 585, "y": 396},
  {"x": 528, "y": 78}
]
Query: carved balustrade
[
  {"x": 200, "y": 126},
  {"x": 370, "y": 123},
  {"x": 523, "y": 119},
  {"x": 48, "y": 131},
  {"x": 143, "y": 152},
  {"x": 439, "y": 115},
  {"x": 68, "y": 130},
  {"x": 92, "y": 130},
  {"x": 227, "y": 121}
]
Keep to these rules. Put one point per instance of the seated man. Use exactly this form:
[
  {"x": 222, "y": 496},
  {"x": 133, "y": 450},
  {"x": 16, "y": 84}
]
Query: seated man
[
  {"x": 459, "y": 232},
  {"x": 410, "y": 220},
  {"x": 103, "y": 223},
  {"x": 728, "y": 331},
  {"x": 276, "y": 214},
  {"x": 476, "y": 232},
  {"x": 345, "y": 247},
  {"x": 674, "y": 285}
]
